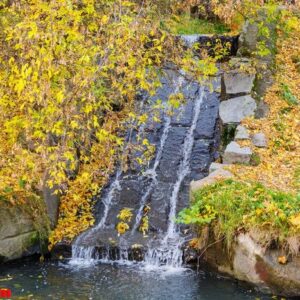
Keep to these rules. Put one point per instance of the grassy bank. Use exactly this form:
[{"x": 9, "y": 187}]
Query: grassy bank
[{"x": 231, "y": 206}]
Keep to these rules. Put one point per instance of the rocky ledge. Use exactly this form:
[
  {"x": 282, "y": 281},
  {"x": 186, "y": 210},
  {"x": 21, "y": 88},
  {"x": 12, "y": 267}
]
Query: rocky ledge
[{"x": 247, "y": 260}]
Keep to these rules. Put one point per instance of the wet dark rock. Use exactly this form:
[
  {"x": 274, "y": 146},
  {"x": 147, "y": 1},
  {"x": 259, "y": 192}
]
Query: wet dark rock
[
  {"x": 206, "y": 125},
  {"x": 201, "y": 156},
  {"x": 184, "y": 115},
  {"x": 127, "y": 197},
  {"x": 61, "y": 250},
  {"x": 183, "y": 197},
  {"x": 172, "y": 155},
  {"x": 159, "y": 204}
]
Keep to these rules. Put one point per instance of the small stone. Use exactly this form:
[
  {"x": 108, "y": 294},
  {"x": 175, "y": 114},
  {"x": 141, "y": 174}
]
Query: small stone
[
  {"x": 212, "y": 178},
  {"x": 237, "y": 82},
  {"x": 214, "y": 167},
  {"x": 236, "y": 109},
  {"x": 189, "y": 39},
  {"x": 262, "y": 110},
  {"x": 235, "y": 154},
  {"x": 241, "y": 133},
  {"x": 260, "y": 140}
]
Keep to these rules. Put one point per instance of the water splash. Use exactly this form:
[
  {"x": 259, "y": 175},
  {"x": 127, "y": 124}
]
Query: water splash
[
  {"x": 83, "y": 256},
  {"x": 87, "y": 253}
]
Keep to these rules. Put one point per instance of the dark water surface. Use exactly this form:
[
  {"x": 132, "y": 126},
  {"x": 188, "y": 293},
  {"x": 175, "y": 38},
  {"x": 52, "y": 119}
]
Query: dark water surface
[{"x": 34, "y": 280}]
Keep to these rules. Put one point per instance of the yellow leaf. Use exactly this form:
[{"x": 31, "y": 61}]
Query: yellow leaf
[
  {"x": 295, "y": 220},
  {"x": 282, "y": 260}
]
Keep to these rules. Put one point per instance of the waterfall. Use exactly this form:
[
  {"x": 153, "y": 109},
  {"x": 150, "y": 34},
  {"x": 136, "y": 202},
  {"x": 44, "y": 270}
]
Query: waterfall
[
  {"x": 182, "y": 151},
  {"x": 184, "y": 168},
  {"x": 169, "y": 253}
]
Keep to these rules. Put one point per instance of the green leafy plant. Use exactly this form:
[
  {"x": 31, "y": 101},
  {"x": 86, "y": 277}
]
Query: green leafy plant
[{"x": 288, "y": 96}]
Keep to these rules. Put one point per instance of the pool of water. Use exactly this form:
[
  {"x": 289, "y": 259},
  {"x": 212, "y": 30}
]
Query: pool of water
[{"x": 60, "y": 280}]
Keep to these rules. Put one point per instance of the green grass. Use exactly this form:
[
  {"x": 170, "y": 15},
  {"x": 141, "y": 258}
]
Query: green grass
[
  {"x": 186, "y": 25},
  {"x": 231, "y": 206},
  {"x": 287, "y": 95}
]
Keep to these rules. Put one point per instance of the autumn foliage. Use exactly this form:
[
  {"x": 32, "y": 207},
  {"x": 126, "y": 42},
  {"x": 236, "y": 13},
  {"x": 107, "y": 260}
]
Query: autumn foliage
[{"x": 69, "y": 75}]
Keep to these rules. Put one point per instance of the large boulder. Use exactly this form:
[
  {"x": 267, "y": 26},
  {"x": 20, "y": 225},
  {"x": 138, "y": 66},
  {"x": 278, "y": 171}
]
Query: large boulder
[
  {"x": 18, "y": 236},
  {"x": 235, "y": 154},
  {"x": 247, "y": 260},
  {"x": 236, "y": 109}
]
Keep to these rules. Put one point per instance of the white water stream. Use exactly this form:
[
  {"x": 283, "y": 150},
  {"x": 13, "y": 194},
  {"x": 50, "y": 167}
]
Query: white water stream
[{"x": 169, "y": 252}]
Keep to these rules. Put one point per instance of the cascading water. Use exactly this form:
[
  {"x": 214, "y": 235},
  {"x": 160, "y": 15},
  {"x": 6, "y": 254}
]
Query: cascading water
[
  {"x": 152, "y": 171},
  {"x": 183, "y": 142}
]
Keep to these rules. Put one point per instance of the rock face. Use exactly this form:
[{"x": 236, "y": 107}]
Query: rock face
[
  {"x": 235, "y": 154},
  {"x": 18, "y": 237},
  {"x": 236, "y": 109},
  {"x": 260, "y": 140},
  {"x": 249, "y": 261}
]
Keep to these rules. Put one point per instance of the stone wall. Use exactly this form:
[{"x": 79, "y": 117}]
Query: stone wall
[{"x": 246, "y": 79}]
